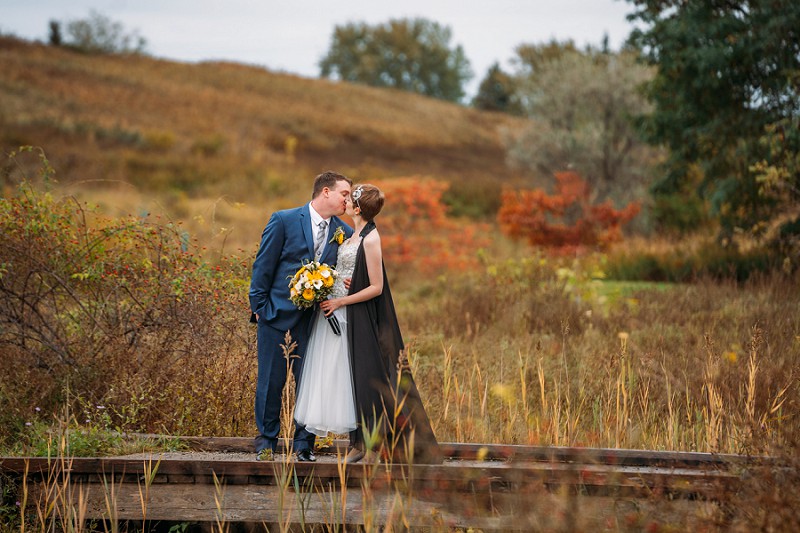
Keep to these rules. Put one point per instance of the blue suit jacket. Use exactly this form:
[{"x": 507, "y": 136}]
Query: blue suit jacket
[{"x": 286, "y": 244}]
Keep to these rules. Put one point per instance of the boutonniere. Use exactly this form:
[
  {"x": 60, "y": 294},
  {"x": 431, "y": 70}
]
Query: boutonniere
[{"x": 338, "y": 236}]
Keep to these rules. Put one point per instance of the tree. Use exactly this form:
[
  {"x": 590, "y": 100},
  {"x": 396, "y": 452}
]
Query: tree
[
  {"x": 497, "y": 92},
  {"x": 726, "y": 100},
  {"x": 99, "y": 34},
  {"x": 581, "y": 105},
  {"x": 55, "y": 38},
  {"x": 409, "y": 54},
  {"x": 531, "y": 57}
]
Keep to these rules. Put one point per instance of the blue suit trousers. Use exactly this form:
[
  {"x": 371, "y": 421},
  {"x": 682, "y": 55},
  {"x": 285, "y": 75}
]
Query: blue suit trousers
[{"x": 272, "y": 372}]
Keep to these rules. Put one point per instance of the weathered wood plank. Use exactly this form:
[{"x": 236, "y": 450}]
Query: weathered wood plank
[
  {"x": 531, "y": 488},
  {"x": 454, "y": 477},
  {"x": 273, "y": 504},
  {"x": 507, "y": 452}
]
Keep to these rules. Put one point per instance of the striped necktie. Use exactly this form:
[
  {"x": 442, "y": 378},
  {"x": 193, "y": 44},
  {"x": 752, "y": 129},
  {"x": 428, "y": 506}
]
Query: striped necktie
[{"x": 319, "y": 239}]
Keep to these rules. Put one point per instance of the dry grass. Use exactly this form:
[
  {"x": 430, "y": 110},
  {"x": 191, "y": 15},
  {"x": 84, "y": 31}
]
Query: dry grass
[
  {"x": 706, "y": 367},
  {"x": 131, "y": 111}
]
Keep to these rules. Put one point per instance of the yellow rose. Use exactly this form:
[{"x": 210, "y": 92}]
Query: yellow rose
[
  {"x": 308, "y": 294},
  {"x": 328, "y": 281}
]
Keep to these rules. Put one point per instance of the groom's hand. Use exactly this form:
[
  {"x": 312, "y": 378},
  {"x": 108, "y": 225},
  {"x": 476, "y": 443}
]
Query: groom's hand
[{"x": 347, "y": 283}]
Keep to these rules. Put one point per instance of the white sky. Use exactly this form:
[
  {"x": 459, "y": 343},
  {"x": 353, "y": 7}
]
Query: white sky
[{"x": 293, "y": 35}]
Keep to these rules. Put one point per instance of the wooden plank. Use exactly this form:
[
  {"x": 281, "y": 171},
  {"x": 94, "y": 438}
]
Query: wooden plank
[
  {"x": 272, "y": 504},
  {"x": 453, "y": 477},
  {"x": 507, "y": 494},
  {"x": 507, "y": 452}
]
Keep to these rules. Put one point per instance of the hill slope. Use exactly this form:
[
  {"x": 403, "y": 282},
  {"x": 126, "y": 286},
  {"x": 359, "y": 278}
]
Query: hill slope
[{"x": 161, "y": 125}]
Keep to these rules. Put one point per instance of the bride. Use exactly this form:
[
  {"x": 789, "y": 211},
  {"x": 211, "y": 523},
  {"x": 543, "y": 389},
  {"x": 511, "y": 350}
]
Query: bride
[
  {"x": 379, "y": 405},
  {"x": 325, "y": 401}
]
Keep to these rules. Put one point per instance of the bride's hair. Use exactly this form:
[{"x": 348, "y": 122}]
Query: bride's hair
[{"x": 369, "y": 199}]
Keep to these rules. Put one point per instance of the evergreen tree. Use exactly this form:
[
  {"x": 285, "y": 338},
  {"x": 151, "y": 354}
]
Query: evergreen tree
[
  {"x": 55, "y": 38},
  {"x": 497, "y": 92}
]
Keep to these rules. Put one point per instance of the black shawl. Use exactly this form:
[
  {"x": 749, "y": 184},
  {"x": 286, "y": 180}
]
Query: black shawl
[{"x": 381, "y": 376}]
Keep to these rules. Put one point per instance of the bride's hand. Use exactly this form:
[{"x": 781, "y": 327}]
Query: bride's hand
[{"x": 329, "y": 306}]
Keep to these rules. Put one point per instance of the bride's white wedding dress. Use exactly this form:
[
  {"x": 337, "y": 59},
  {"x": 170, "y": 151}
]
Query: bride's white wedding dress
[{"x": 325, "y": 398}]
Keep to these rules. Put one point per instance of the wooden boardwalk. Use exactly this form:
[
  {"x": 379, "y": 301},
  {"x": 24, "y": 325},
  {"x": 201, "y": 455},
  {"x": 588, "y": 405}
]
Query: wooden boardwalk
[{"x": 486, "y": 486}]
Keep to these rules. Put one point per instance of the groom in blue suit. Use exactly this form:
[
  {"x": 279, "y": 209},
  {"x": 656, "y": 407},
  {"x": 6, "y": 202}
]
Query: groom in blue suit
[{"x": 291, "y": 237}]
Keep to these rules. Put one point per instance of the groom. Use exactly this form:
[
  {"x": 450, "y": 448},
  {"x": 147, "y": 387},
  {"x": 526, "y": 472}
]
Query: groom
[{"x": 292, "y": 236}]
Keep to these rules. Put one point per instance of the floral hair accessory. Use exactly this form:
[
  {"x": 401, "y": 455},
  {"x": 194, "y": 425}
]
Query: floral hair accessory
[
  {"x": 356, "y": 194},
  {"x": 338, "y": 236}
]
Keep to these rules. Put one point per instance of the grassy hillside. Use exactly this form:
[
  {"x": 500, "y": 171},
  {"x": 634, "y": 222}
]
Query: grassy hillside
[{"x": 215, "y": 128}]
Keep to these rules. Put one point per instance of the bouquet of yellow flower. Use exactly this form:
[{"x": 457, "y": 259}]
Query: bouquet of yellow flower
[{"x": 312, "y": 284}]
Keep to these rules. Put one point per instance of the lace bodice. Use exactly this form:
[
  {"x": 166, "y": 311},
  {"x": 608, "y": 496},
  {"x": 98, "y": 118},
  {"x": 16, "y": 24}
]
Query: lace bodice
[{"x": 345, "y": 264}]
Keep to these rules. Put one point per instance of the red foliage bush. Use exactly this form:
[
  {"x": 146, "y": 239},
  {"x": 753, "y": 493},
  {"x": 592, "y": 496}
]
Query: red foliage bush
[
  {"x": 417, "y": 232},
  {"x": 566, "y": 220}
]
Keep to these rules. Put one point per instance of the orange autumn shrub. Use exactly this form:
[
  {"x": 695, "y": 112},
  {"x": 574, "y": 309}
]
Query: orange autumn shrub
[
  {"x": 565, "y": 221},
  {"x": 418, "y": 234}
]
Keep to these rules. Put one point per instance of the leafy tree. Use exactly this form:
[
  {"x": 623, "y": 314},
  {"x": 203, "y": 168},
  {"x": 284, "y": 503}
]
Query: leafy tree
[
  {"x": 409, "y": 54},
  {"x": 100, "y": 34},
  {"x": 726, "y": 100},
  {"x": 497, "y": 92},
  {"x": 582, "y": 105},
  {"x": 531, "y": 57}
]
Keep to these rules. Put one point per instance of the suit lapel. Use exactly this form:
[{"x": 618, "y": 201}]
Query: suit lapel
[
  {"x": 305, "y": 224},
  {"x": 333, "y": 248}
]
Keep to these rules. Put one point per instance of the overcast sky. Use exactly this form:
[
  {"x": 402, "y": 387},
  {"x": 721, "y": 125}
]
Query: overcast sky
[{"x": 293, "y": 35}]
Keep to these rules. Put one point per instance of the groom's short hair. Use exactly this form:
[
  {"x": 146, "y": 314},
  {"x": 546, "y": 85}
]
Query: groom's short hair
[{"x": 328, "y": 179}]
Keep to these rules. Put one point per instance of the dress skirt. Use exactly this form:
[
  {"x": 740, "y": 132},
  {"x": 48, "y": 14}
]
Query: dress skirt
[{"x": 325, "y": 399}]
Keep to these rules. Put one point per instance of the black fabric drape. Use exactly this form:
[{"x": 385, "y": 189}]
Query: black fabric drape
[{"x": 381, "y": 377}]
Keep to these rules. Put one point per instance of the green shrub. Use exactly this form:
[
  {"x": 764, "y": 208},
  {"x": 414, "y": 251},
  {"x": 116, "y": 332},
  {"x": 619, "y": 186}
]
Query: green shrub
[
  {"x": 210, "y": 145},
  {"x": 479, "y": 200},
  {"x": 681, "y": 213},
  {"x": 158, "y": 140},
  {"x": 713, "y": 261}
]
